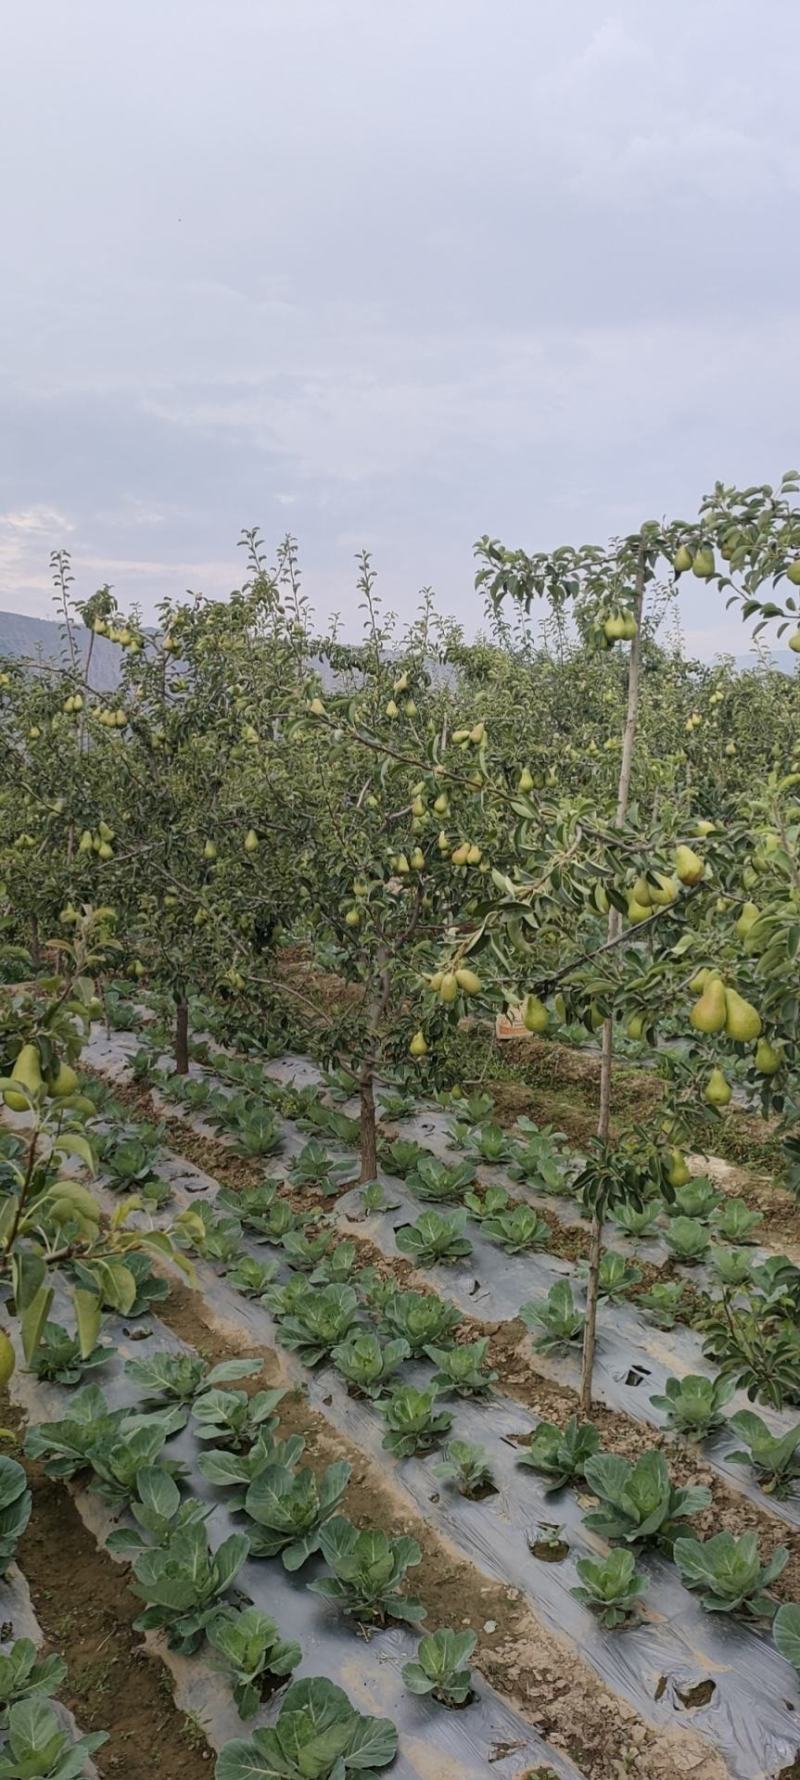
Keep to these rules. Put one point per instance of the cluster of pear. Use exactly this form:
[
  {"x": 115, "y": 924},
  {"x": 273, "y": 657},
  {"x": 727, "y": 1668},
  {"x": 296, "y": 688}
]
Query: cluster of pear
[
  {"x": 122, "y": 634},
  {"x": 116, "y": 719},
  {"x": 99, "y": 843},
  {"x": 27, "y": 1071},
  {"x": 700, "y": 561},
  {"x": 618, "y": 627},
  {"x": 74, "y": 702},
  {"x": 720, "y": 1008},
  {"x": 447, "y": 984},
  {"x": 657, "y": 890}
]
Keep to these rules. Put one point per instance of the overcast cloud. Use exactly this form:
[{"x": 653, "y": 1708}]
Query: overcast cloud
[{"x": 391, "y": 276}]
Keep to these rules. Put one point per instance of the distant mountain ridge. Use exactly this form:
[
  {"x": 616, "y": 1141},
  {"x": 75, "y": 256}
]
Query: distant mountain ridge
[{"x": 42, "y": 639}]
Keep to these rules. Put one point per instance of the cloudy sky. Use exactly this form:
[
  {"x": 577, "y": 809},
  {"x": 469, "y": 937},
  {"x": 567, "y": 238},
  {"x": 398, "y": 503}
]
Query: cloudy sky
[{"x": 388, "y": 276}]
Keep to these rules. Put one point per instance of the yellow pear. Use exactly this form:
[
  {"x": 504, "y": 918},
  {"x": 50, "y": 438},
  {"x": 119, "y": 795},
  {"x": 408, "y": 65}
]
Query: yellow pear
[
  {"x": 251, "y": 841},
  {"x": 794, "y": 642},
  {"x": 718, "y": 1089},
  {"x": 418, "y": 1047},
  {"x": 27, "y": 1071},
  {"x": 743, "y": 1021},
  {"x": 535, "y": 1017},
  {"x": 704, "y": 827},
  {"x": 678, "y": 1172},
  {"x": 474, "y": 855},
  {"x": 688, "y": 865},
  {"x": 449, "y": 989},
  {"x": 710, "y": 1012},
  {"x": 682, "y": 560},
  {"x": 352, "y": 918},
  {"x": 441, "y": 803},
  {"x": 747, "y": 919},
  {"x": 635, "y": 1026},
  {"x": 793, "y": 572},
  {"x": 209, "y": 850},
  {"x": 478, "y": 732},
  {"x": 525, "y": 780},
  {"x": 637, "y": 911},
  {"x": 768, "y": 1058},
  {"x": 468, "y": 981}
]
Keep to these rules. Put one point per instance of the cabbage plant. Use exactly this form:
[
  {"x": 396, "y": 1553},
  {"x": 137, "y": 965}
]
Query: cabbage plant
[
  {"x": 491, "y": 1203},
  {"x": 467, "y": 1466},
  {"x": 178, "y": 1377},
  {"x": 183, "y": 1582},
  {"x": 732, "y": 1265},
  {"x": 637, "y": 1220},
  {"x": 729, "y": 1574},
  {"x": 320, "y": 1320},
  {"x": 235, "y": 1471},
  {"x": 687, "y": 1239},
  {"x": 442, "y": 1667},
  {"x": 560, "y": 1454},
  {"x": 432, "y": 1179},
  {"x": 15, "y": 1509},
  {"x": 638, "y": 1500},
  {"x": 368, "y": 1568},
  {"x": 616, "y": 1277},
  {"x": 490, "y": 1144},
  {"x": 664, "y": 1302},
  {"x": 518, "y": 1229},
  {"x": 231, "y": 1418},
  {"x": 697, "y": 1198},
  {"x": 694, "y": 1404},
  {"x": 23, "y": 1673},
  {"x": 556, "y": 1321},
  {"x": 612, "y": 1586},
  {"x": 462, "y": 1369},
  {"x": 774, "y": 1457},
  {"x": 290, "y": 1508},
  {"x": 337, "y": 1266},
  {"x": 367, "y": 1364},
  {"x": 436, "y": 1237},
  {"x": 58, "y": 1358},
  {"x": 251, "y": 1652},
  {"x": 318, "y": 1735},
  {"x": 252, "y": 1277},
  {"x": 421, "y": 1318},
  {"x": 735, "y": 1222},
  {"x": 39, "y": 1748},
  {"x": 158, "y": 1511},
  {"x": 413, "y": 1421}
]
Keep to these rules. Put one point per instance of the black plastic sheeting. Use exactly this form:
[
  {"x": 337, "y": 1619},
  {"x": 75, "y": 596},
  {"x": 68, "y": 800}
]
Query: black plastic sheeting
[
  {"x": 753, "y": 1715},
  {"x": 435, "y": 1744}
]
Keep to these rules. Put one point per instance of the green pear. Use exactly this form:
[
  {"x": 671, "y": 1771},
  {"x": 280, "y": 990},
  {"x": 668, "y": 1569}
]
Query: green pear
[
  {"x": 794, "y": 642},
  {"x": 682, "y": 560},
  {"x": 703, "y": 562},
  {"x": 678, "y": 1172},
  {"x": 635, "y": 1026},
  {"x": 718, "y": 1089},
  {"x": 449, "y": 988},
  {"x": 66, "y": 1082},
  {"x": 698, "y": 981},
  {"x": 793, "y": 572},
  {"x": 27, "y": 1071},
  {"x": 689, "y": 867},
  {"x": 7, "y": 1359},
  {"x": 710, "y": 1012},
  {"x": 418, "y": 1047},
  {"x": 768, "y": 1058},
  {"x": 747, "y": 919},
  {"x": 468, "y": 981},
  {"x": 535, "y": 1017},
  {"x": 743, "y": 1021}
]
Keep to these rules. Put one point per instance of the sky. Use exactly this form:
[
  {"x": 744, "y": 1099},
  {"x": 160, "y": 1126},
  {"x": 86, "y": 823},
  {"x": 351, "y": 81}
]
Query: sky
[{"x": 388, "y": 277}]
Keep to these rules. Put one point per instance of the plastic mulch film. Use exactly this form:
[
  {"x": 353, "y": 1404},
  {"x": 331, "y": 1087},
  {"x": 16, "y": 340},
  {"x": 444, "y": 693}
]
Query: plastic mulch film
[{"x": 435, "y": 1744}]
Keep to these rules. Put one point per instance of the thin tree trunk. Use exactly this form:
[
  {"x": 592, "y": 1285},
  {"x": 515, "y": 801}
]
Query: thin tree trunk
[
  {"x": 607, "y": 1051},
  {"x": 181, "y": 1038},
  {"x": 369, "y": 1136}
]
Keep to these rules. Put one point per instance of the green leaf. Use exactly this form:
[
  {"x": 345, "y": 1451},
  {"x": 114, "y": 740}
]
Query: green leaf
[
  {"x": 88, "y": 1319},
  {"x": 33, "y": 1319}
]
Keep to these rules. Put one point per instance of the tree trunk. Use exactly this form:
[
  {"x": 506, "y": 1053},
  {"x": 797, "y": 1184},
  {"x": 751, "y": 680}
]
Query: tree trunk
[
  {"x": 181, "y": 1038},
  {"x": 607, "y": 1052},
  {"x": 369, "y": 1136}
]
